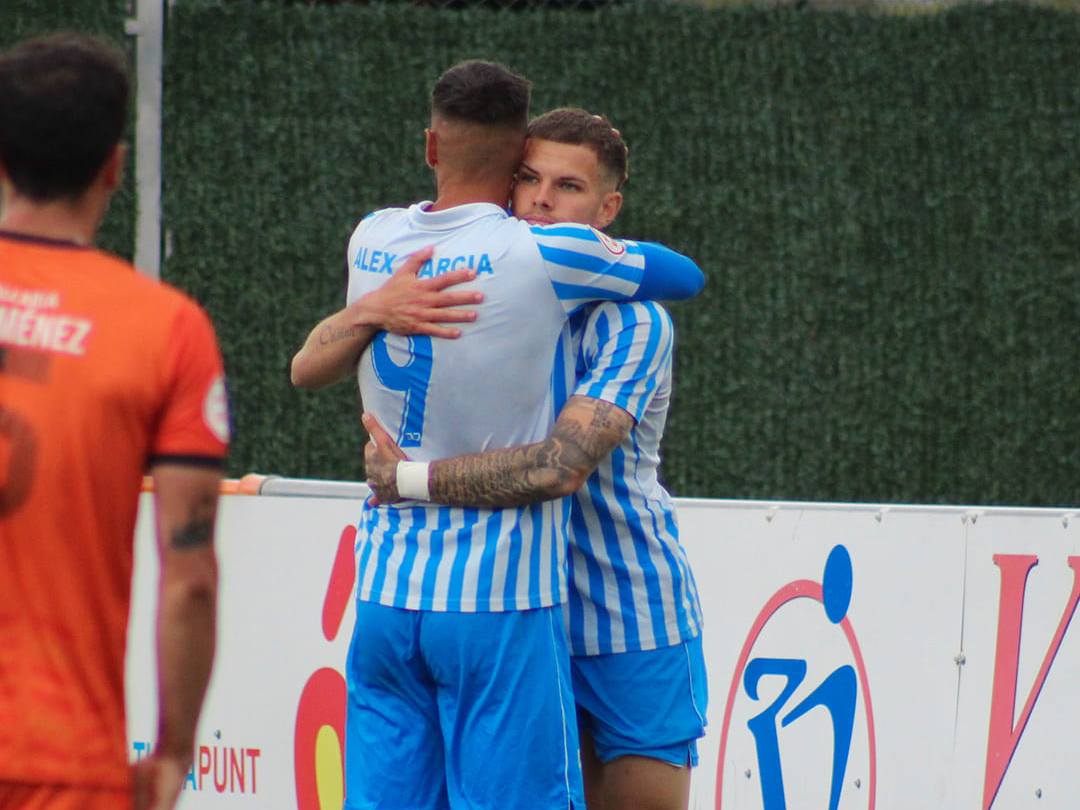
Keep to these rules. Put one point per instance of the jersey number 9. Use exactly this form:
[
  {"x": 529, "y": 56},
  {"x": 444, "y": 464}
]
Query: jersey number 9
[{"x": 410, "y": 378}]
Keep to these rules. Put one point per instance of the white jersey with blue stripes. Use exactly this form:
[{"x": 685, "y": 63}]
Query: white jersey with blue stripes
[
  {"x": 488, "y": 389},
  {"x": 631, "y": 587}
]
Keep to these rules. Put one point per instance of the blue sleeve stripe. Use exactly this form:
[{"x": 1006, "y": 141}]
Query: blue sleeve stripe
[
  {"x": 647, "y": 339},
  {"x": 618, "y": 358},
  {"x": 633, "y": 396},
  {"x": 545, "y": 234},
  {"x": 654, "y": 378},
  {"x": 565, "y": 229},
  {"x": 601, "y": 329},
  {"x": 597, "y": 265},
  {"x": 585, "y": 233},
  {"x": 634, "y": 392},
  {"x": 577, "y": 292},
  {"x": 625, "y": 368}
]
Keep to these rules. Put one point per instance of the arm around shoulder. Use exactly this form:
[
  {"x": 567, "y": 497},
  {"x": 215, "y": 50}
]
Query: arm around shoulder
[
  {"x": 586, "y": 432},
  {"x": 668, "y": 275},
  {"x": 405, "y": 305},
  {"x": 332, "y": 349}
]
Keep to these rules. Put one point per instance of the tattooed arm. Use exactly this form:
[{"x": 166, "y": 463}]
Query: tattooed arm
[
  {"x": 405, "y": 305},
  {"x": 185, "y": 499},
  {"x": 586, "y": 432}
]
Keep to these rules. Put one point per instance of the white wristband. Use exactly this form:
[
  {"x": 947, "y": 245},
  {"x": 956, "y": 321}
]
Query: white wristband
[{"x": 412, "y": 480}]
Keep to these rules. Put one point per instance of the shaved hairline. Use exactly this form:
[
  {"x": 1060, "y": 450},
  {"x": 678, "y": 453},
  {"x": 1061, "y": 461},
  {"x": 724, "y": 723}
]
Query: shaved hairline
[{"x": 472, "y": 145}]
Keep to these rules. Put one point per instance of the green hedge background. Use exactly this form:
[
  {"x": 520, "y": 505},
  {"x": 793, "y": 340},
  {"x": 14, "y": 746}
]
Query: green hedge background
[
  {"x": 20, "y": 19},
  {"x": 887, "y": 208}
]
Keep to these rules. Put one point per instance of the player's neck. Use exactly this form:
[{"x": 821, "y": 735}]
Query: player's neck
[
  {"x": 452, "y": 194},
  {"x": 63, "y": 221}
]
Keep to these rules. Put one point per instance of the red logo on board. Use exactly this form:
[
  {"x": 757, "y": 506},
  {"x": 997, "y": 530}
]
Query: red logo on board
[{"x": 319, "y": 741}]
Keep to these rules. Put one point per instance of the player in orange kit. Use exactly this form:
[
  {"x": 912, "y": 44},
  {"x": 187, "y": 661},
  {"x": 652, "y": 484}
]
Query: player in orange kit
[{"x": 103, "y": 375}]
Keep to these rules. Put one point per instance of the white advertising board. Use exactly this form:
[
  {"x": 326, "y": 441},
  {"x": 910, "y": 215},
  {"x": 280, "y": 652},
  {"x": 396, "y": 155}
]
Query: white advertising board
[
  {"x": 284, "y": 621},
  {"x": 859, "y": 656}
]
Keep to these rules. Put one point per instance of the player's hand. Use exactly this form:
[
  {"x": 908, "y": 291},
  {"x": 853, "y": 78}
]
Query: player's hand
[
  {"x": 157, "y": 781},
  {"x": 381, "y": 456},
  {"x": 409, "y": 305}
]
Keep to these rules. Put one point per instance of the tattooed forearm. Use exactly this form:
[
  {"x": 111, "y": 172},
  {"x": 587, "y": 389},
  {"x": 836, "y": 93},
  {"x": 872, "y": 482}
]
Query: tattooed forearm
[
  {"x": 198, "y": 530},
  {"x": 608, "y": 426},
  {"x": 498, "y": 478},
  {"x": 586, "y": 432},
  {"x": 334, "y": 334}
]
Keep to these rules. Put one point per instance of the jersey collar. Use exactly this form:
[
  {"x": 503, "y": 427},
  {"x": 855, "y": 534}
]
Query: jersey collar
[
  {"x": 41, "y": 240},
  {"x": 452, "y": 218}
]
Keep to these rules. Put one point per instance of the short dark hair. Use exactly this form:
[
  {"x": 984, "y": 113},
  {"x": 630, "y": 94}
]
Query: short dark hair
[
  {"x": 485, "y": 93},
  {"x": 63, "y": 108},
  {"x": 574, "y": 125}
]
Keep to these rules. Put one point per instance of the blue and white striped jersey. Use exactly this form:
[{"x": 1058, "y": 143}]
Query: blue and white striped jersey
[
  {"x": 488, "y": 389},
  {"x": 631, "y": 587}
]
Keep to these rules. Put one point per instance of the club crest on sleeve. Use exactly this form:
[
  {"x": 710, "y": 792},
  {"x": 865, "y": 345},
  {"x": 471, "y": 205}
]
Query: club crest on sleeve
[
  {"x": 613, "y": 247},
  {"x": 216, "y": 409}
]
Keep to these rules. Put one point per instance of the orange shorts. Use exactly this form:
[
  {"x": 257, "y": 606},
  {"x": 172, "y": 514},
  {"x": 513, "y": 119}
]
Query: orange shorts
[{"x": 14, "y": 796}]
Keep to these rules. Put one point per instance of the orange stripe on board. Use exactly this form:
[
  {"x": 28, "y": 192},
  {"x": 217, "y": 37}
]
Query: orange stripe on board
[{"x": 248, "y": 485}]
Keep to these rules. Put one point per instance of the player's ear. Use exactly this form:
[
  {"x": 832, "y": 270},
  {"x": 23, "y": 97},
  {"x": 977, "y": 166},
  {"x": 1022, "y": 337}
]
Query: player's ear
[
  {"x": 431, "y": 148},
  {"x": 6, "y": 188},
  {"x": 609, "y": 209},
  {"x": 112, "y": 171}
]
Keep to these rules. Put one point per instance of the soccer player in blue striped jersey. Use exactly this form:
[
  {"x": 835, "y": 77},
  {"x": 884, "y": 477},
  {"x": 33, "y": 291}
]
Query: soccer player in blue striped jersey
[
  {"x": 458, "y": 671},
  {"x": 633, "y": 610}
]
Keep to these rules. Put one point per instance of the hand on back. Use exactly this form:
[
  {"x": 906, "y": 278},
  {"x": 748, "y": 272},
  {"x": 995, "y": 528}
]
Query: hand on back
[{"x": 410, "y": 305}]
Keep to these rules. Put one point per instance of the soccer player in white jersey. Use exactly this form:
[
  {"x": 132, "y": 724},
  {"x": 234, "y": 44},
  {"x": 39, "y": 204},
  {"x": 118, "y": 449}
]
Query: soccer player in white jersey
[
  {"x": 633, "y": 613},
  {"x": 458, "y": 671}
]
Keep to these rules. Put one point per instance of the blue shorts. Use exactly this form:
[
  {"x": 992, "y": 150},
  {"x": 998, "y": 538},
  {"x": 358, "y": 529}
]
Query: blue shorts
[
  {"x": 645, "y": 704},
  {"x": 460, "y": 710}
]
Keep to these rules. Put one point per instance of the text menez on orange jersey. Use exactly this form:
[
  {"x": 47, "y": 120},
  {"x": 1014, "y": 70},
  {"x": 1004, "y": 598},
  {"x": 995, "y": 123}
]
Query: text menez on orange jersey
[{"x": 51, "y": 331}]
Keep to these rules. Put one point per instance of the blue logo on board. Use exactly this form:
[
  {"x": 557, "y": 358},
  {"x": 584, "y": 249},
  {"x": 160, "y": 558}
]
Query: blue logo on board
[{"x": 838, "y": 693}]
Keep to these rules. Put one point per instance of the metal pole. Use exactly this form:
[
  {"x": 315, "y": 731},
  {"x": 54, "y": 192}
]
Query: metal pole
[{"x": 148, "y": 27}]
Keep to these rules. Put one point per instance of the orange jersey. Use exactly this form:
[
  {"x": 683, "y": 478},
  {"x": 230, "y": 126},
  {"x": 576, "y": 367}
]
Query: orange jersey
[{"x": 102, "y": 372}]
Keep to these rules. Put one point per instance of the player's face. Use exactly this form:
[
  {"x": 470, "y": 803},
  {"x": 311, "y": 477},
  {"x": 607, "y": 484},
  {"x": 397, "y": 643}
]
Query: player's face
[{"x": 561, "y": 182}]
